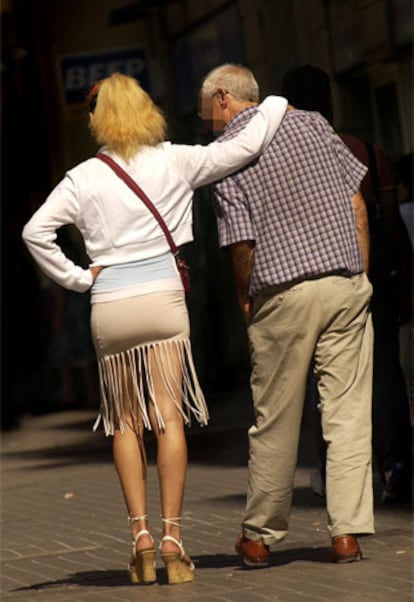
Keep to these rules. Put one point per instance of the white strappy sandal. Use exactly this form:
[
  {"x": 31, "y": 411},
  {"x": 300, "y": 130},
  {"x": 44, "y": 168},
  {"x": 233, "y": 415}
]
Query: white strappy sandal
[
  {"x": 142, "y": 565},
  {"x": 179, "y": 567}
]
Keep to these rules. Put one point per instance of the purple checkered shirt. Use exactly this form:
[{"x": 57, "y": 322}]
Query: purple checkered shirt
[{"x": 294, "y": 201}]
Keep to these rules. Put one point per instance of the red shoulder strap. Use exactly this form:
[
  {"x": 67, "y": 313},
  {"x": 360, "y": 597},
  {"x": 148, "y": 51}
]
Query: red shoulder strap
[{"x": 141, "y": 194}]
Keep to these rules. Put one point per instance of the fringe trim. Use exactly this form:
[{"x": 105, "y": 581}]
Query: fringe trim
[{"x": 134, "y": 367}]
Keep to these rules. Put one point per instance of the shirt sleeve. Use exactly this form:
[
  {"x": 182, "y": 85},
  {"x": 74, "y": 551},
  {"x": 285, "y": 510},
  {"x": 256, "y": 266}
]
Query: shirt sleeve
[
  {"x": 232, "y": 213},
  {"x": 201, "y": 165},
  {"x": 39, "y": 235},
  {"x": 352, "y": 170}
]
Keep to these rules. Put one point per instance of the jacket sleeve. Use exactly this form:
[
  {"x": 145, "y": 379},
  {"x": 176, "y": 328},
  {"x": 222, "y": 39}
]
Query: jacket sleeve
[
  {"x": 202, "y": 165},
  {"x": 39, "y": 235}
]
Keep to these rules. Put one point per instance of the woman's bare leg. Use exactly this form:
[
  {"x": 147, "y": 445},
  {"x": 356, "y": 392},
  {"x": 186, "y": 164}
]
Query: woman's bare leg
[
  {"x": 171, "y": 441},
  {"x": 129, "y": 459}
]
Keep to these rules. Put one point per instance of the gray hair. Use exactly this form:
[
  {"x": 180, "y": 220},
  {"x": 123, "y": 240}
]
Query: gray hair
[{"x": 235, "y": 79}]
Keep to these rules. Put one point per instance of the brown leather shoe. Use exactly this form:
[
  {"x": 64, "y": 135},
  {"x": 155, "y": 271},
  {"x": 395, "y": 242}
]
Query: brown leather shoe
[
  {"x": 345, "y": 548},
  {"x": 255, "y": 554}
]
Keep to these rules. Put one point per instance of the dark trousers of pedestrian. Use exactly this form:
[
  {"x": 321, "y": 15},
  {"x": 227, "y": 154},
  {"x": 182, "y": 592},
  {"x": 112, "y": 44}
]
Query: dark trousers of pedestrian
[{"x": 392, "y": 429}]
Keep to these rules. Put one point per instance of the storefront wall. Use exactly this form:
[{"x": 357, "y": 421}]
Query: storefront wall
[
  {"x": 170, "y": 46},
  {"x": 358, "y": 42}
]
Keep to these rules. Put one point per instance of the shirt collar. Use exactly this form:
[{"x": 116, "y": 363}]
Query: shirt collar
[{"x": 241, "y": 118}]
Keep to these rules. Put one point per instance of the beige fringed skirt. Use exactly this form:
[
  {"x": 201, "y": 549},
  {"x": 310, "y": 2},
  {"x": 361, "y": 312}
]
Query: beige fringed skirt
[{"x": 145, "y": 362}]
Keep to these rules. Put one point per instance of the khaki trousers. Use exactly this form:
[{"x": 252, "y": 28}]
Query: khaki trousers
[{"x": 327, "y": 320}]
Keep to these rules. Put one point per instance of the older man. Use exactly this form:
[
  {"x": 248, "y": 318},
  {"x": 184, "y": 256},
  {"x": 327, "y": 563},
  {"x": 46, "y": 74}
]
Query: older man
[
  {"x": 391, "y": 269},
  {"x": 296, "y": 228}
]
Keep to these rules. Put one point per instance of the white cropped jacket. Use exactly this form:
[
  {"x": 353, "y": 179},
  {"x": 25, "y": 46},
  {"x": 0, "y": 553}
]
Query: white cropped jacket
[{"x": 115, "y": 224}]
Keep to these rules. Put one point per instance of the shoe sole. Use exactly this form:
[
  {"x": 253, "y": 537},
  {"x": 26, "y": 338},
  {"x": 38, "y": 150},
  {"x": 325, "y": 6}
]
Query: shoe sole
[
  {"x": 254, "y": 564},
  {"x": 349, "y": 559}
]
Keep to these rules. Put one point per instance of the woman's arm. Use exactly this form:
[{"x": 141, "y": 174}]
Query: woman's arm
[
  {"x": 205, "y": 164},
  {"x": 39, "y": 235}
]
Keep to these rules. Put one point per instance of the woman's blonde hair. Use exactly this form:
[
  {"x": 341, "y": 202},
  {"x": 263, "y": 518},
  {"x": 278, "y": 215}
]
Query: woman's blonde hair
[{"x": 125, "y": 117}]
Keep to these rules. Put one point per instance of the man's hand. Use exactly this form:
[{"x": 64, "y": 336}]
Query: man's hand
[{"x": 246, "y": 307}]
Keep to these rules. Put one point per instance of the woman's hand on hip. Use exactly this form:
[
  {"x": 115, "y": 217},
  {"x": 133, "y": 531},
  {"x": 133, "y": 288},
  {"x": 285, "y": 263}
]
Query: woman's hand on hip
[{"x": 96, "y": 270}]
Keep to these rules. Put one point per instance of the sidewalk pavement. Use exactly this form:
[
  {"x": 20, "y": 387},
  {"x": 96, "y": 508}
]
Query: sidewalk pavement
[{"x": 65, "y": 536}]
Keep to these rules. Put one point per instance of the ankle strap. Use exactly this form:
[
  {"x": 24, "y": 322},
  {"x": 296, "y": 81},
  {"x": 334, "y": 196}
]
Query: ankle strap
[
  {"x": 172, "y": 521},
  {"x": 135, "y": 519}
]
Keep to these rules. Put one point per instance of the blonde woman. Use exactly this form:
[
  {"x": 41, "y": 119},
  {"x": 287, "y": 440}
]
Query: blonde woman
[{"x": 139, "y": 317}]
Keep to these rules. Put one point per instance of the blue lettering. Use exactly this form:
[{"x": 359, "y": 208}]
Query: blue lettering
[
  {"x": 96, "y": 71},
  {"x": 80, "y": 72},
  {"x": 115, "y": 67},
  {"x": 75, "y": 78},
  {"x": 134, "y": 66}
]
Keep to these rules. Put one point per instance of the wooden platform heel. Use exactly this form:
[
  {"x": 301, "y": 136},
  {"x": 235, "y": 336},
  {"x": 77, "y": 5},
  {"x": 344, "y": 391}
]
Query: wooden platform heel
[
  {"x": 142, "y": 565},
  {"x": 179, "y": 567}
]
